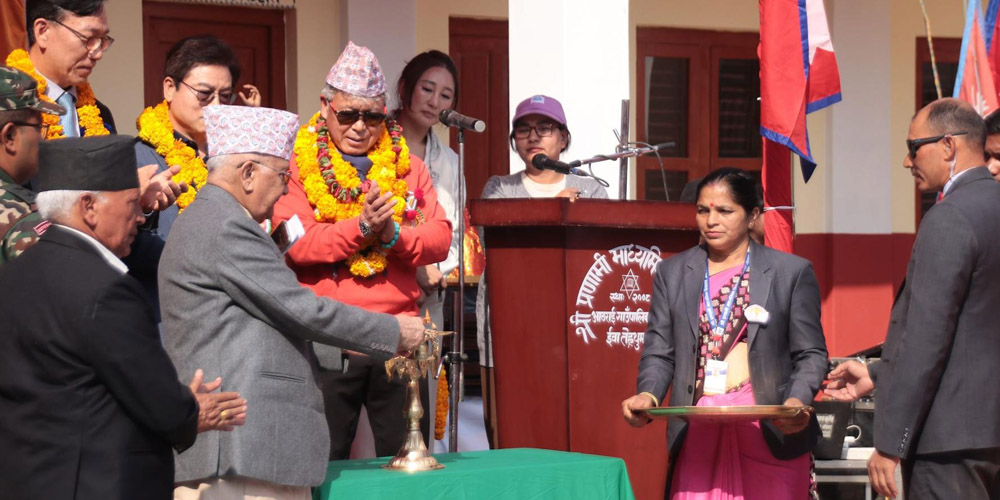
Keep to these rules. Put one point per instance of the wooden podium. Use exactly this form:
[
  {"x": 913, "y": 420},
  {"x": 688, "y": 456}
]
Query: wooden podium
[{"x": 569, "y": 287}]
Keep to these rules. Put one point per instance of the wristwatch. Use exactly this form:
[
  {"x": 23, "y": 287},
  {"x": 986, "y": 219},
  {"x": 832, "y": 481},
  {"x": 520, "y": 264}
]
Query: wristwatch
[{"x": 366, "y": 229}]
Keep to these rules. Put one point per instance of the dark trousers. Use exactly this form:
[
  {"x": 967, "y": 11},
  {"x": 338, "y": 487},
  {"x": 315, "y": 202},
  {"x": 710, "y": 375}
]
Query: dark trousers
[
  {"x": 365, "y": 383},
  {"x": 967, "y": 474}
]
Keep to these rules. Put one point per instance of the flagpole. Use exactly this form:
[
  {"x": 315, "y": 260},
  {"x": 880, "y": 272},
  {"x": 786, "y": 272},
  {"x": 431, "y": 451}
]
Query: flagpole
[{"x": 930, "y": 46}]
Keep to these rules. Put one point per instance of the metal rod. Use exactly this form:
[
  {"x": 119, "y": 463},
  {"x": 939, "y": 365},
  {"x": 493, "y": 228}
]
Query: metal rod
[
  {"x": 622, "y": 144},
  {"x": 623, "y": 155},
  {"x": 455, "y": 360}
]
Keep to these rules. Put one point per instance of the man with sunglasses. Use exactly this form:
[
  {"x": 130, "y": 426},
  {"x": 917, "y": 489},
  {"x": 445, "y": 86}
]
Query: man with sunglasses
[
  {"x": 66, "y": 40},
  {"x": 367, "y": 230},
  {"x": 21, "y": 129},
  {"x": 200, "y": 71},
  {"x": 937, "y": 405}
]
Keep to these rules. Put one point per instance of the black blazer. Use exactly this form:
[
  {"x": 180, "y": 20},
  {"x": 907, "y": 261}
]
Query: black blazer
[
  {"x": 91, "y": 405},
  {"x": 936, "y": 380},
  {"x": 787, "y": 356}
]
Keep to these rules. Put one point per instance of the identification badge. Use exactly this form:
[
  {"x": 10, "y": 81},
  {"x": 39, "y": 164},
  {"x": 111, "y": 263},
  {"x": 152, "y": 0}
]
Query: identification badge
[{"x": 715, "y": 377}]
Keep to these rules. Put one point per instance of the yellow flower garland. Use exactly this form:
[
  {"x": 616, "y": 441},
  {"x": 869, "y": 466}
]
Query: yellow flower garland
[
  {"x": 386, "y": 171},
  {"x": 86, "y": 103},
  {"x": 156, "y": 130}
]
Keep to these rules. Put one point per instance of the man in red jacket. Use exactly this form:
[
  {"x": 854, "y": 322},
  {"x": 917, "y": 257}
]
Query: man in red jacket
[{"x": 371, "y": 218}]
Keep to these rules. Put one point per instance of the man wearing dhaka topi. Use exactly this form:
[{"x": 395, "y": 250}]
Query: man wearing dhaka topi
[{"x": 371, "y": 218}]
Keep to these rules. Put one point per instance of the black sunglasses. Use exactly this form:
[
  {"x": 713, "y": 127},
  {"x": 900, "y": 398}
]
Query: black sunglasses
[
  {"x": 205, "y": 96},
  {"x": 351, "y": 116},
  {"x": 912, "y": 145}
]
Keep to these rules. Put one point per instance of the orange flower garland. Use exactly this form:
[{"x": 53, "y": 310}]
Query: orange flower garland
[
  {"x": 335, "y": 190},
  {"x": 441, "y": 405},
  {"x": 86, "y": 103},
  {"x": 156, "y": 130}
]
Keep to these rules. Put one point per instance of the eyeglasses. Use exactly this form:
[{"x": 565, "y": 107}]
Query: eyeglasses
[
  {"x": 93, "y": 43},
  {"x": 286, "y": 175},
  {"x": 543, "y": 129},
  {"x": 351, "y": 116},
  {"x": 205, "y": 96},
  {"x": 912, "y": 145},
  {"x": 43, "y": 128}
]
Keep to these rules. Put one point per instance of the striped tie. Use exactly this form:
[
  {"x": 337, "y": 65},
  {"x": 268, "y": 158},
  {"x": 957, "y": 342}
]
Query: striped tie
[{"x": 68, "y": 120}]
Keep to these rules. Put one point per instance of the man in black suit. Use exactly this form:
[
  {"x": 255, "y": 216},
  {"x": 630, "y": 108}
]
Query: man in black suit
[
  {"x": 91, "y": 403},
  {"x": 937, "y": 410}
]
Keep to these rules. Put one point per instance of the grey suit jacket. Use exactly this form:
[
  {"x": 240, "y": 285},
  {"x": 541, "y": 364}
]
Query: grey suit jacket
[
  {"x": 787, "y": 356},
  {"x": 232, "y": 307},
  {"x": 936, "y": 380}
]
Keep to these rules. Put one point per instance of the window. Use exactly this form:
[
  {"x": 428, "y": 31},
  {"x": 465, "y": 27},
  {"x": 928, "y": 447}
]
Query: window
[
  {"x": 697, "y": 90},
  {"x": 946, "y": 51}
]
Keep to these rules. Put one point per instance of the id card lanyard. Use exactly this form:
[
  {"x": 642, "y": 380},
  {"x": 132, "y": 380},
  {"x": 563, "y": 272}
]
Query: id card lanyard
[{"x": 718, "y": 324}]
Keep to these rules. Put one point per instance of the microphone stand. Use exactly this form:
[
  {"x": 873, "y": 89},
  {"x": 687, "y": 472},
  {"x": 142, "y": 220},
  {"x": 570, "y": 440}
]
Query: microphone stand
[
  {"x": 624, "y": 153},
  {"x": 622, "y": 144},
  {"x": 456, "y": 357}
]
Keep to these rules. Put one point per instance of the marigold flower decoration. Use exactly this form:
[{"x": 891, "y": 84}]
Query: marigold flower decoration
[
  {"x": 91, "y": 123},
  {"x": 156, "y": 130},
  {"x": 441, "y": 405},
  {"x": 336, "y": 192}
]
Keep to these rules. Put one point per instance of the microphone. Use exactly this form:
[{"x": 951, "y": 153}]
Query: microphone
[
  {"x": 543, "y": 162},
  {"x": 451, "y": 118}
]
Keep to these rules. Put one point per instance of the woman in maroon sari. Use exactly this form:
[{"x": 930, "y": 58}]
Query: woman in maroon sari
[{"x": 733, "y": 323}]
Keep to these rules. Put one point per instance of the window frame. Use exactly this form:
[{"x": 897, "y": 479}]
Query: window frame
[{"x": 703, "y": 49}]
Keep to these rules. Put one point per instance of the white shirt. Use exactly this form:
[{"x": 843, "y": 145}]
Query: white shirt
[
  {"x": 106, "y": 254},
  {"x": 951, "y": 181},
  {"x": 539, "y": 190},
  {"x": 442, "y": 163}
]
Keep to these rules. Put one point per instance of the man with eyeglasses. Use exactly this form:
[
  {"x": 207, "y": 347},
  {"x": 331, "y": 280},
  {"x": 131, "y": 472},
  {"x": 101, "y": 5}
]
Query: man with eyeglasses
[
  {"x": 232, "y": 307},
  {"x": 371, "y": 218},
  {"x": 937, "y": 406},
  {"x": 21, "y": 129},
  {"x": 66, "y": 40}
]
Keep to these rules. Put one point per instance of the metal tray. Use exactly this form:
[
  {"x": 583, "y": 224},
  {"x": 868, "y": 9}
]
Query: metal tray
[{"x": 727, "y": 413}]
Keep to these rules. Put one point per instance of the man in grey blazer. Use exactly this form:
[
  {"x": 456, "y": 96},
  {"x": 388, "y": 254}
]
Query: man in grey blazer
[
  {"x": 938, "y": 406},
  {"x": 232, "y": 306}
]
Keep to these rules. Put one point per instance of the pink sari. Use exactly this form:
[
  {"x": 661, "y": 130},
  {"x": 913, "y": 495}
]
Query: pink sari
[{"x": 732, "y": 461}]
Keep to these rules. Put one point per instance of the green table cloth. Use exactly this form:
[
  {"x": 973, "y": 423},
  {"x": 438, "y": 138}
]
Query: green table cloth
[{"x": 520, "y": 473}]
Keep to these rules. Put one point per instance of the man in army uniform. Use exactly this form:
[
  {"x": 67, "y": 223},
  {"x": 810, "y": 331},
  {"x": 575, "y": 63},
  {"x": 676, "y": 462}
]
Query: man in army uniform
[{"x": 21, "y": 129}]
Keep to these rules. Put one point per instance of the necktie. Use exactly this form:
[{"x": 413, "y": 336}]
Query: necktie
[{"x": 68, "y": 120}]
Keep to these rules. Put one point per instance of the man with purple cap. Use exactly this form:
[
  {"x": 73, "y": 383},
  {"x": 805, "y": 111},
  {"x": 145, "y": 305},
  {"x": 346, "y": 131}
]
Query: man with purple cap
[
  {"x": 371, "y": 218},
  {"x": 539, "y": 128},
  {"x": 230, "y": 305}
]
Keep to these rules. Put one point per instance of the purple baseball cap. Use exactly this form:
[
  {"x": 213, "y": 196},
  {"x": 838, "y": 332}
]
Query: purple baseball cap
[{"x": 540, "y": 105}]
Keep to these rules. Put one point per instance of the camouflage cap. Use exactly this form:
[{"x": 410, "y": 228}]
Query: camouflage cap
[{"x": 18, "y": 90}]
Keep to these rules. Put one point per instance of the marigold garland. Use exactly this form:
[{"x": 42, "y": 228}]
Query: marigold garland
[
  {"x": 86, "y": 103},
  {"x": 335, "y": 190},
  {"x": 156, "y": 130},
  {"x": 441, "y": 405}
]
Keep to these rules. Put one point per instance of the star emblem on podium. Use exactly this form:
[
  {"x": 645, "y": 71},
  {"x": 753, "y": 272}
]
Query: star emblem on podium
[{"x": 630, "y": 283}]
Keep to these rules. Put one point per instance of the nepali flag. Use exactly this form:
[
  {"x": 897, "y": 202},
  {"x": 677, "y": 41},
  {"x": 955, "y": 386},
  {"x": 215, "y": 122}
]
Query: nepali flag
[
  {"x": 974, "y": 80},
  {"x": 990, "y": 28},
  {"x": 798, "y": 72}
]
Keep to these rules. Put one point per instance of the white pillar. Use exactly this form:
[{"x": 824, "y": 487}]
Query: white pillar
[
  {"x": 387, "y": 27},
  {"x": 576, "y": 51},
  {"x": 861, "y": 173}
]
